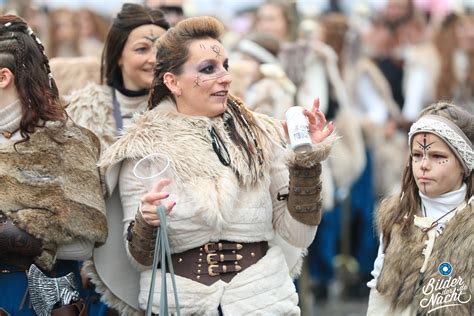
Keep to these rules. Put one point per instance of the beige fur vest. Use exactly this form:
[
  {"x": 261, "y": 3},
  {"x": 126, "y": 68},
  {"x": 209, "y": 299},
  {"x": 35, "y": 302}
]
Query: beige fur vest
[
  {"x": 53, "y": 189},
  {"x": 401, "y": 280},
  {"x": 92, "y": 108}
]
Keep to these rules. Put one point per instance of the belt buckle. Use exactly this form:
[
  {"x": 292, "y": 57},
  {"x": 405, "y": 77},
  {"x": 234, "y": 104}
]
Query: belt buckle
[
  {"x": 210, "y": 272},
  {"x": 210, "y": 260},
  {"x": 206, "y": 247}
]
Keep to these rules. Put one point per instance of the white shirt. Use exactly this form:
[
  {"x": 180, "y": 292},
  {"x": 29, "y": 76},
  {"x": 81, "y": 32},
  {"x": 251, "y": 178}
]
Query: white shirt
[{"x": 435, "y": 208}]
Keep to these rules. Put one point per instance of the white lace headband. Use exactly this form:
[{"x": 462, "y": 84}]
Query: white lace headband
[{"x": 451, "y": 133}]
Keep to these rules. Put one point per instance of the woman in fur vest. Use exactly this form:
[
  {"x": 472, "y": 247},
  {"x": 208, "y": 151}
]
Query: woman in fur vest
[
  {"x": 126, "y": 73},
  {"x": 52, "y": 211},
  {"x": 424, "y": 265},
  {"x": 232, "y": 169}
]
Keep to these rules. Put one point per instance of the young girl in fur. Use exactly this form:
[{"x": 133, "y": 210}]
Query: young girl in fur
[{"x": 424, "y": 264}]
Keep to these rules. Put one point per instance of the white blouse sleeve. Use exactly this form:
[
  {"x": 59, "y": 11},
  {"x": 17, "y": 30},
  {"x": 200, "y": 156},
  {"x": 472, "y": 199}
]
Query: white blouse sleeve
[
  {"x": 80, "y": 249},
  {"x": 131, "y": 191},
  {"x": 378, "y": 265}
]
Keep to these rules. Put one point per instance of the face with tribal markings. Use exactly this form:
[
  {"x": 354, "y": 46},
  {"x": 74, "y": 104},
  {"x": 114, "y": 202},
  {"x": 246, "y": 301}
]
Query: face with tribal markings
[
  {"x": 435, "y": 167},
  {"x": 202, "y": 87},
  {"x": 139, "y": 57}
]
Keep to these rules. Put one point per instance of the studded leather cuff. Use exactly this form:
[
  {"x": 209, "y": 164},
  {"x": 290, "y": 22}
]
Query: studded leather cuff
[
  {"x": 304, "y": 194},
  {"x": 141, "y": 238}
]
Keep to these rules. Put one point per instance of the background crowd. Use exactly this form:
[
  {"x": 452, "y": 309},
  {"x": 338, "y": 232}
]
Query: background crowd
[{"x": 373, "y": 64}]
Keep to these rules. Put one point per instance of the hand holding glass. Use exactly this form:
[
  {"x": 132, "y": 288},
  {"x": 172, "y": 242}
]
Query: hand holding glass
[{"x": 153, "y": 168}]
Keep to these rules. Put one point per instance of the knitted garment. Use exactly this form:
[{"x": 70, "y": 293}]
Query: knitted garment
[{"x": 453, "y": 136}]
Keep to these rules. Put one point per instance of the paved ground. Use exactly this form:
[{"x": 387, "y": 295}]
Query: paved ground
[{"x": 335, "y": 305}]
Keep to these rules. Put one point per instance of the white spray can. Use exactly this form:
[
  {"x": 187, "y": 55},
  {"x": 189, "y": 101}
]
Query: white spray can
[{"x": 297, "y": 123}]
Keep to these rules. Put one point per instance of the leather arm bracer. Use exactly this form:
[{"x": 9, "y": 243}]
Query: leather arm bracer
[
  {"x": 141, "y": 238},
  {"x": 16, "y": 241},
  {"x": 304, "y": 194}
]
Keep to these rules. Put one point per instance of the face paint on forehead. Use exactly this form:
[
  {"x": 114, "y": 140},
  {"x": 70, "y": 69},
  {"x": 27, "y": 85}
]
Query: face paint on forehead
[
  {"x": 152, "y": 37},
  {"x": 216, "y": 49},
  {"x": 424, "y": 147}
]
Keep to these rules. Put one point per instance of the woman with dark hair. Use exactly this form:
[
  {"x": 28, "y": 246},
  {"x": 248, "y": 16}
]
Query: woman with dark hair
[
  {"x": 52, "y": 211},
  {"x": 231, "y": 169},
  {"x": 126, "y": 73}
]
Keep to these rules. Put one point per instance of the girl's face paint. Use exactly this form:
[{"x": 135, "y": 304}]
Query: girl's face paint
[
  {"x": 205, "y": 80},
  {"x": 435, "y": 167}
]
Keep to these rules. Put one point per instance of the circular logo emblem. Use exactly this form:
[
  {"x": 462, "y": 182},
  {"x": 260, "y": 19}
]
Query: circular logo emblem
[{"x": 445, "y": 268}]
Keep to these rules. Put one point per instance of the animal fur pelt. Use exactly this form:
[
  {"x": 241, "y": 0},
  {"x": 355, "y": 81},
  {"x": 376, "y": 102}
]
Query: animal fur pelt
[
  {"x": 401, "y": 280},
  {"x": 51, "y": 187}
]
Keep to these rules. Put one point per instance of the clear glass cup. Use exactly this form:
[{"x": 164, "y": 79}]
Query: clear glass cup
[{"x": 153, "y": 168}]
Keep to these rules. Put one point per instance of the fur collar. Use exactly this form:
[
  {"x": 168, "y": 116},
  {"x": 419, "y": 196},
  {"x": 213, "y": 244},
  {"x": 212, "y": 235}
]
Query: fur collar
[{"x": 166, "y": 130}]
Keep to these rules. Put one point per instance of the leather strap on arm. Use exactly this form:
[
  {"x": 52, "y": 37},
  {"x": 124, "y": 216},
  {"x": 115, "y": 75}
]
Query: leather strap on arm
[
  {"x": 141, "y": 238},
  {"x": 304, "y": 194}
]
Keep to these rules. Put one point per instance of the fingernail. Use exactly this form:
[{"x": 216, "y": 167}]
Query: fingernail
[
  {"x": 318, "y": 110},
  {"x": 174, "y": 203},
  {"x": 331, "y": 123},
  {"x": 167, "y": 195}
]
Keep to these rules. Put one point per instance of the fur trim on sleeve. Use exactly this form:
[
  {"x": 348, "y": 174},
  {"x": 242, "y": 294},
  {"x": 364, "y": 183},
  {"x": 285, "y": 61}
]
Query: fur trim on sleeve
[{"x": 318, "y": 153}]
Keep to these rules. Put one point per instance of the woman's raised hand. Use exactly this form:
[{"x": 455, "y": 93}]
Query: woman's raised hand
[
  {"x": 152, "y": 200},
  {"x": 317, "y": 128}
]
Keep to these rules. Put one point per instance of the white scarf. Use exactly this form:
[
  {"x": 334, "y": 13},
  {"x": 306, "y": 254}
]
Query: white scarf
[{"x": 440, "y": 205}]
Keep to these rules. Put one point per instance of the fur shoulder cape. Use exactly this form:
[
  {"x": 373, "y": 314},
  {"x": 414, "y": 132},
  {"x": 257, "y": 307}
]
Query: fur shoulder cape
[
  {"x": 92, "y": 107},
  {"x": 53, "y": 187},
  {"x": 401, "y": 280},
  {"x": 178, "y": 135}
]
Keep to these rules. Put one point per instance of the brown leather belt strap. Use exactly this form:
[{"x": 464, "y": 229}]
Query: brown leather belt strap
[{"x": 217, "y": 261}]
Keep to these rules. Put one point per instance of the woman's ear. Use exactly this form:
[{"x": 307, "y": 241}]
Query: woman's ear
[
  {"x": 6, "y": 78},
  {"x": 171, "y": 82}
]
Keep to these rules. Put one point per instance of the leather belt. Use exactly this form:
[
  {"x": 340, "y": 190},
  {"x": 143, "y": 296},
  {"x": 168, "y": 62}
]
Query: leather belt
[{"x": 215, "y": 261}]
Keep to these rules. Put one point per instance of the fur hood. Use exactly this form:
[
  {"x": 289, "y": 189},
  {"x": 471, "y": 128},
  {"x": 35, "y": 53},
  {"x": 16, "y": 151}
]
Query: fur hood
[
  {"x": 92, "y": 108},
  {"x": 401, "y": 280},
  {"x": 53, "y": 187}
]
